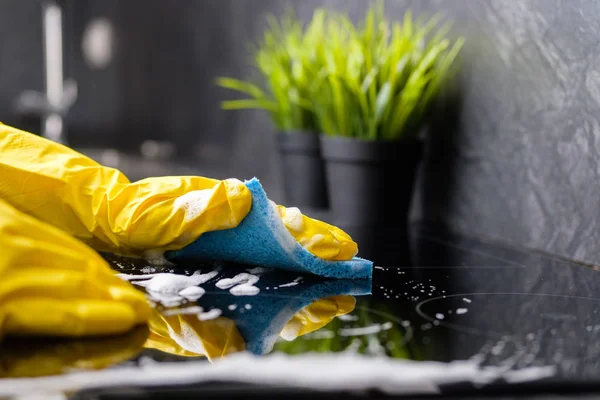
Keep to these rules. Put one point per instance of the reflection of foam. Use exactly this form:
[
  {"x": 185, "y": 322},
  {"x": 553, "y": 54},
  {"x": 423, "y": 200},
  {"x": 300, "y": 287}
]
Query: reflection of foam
[
  {"x": 366, "y": 330},
  {"x": 212, "y": 314},
  {"x": 315, "y": 372}
]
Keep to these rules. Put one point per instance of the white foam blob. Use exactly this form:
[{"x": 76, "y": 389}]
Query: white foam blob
[
  {"x": 461, "y": 310},
  {"x": 293, "y": 219},
  {"x": 171, "y": 289},
  {"x": 192, "y": 293},
  {"x": 244, "y": 290},
  {"x": 240, "y": 285},
  {"x": 226, "y": 283}
]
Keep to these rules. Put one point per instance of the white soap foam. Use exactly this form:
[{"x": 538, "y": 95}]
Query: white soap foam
[
  {"x": 293, "y": 283},
  {"x": 288, "y": 284},
  {"x": 248, "y": 306},
  {"x": 466, "y": 300},
  {"x": 167, "y": 300},
  {"x": 293, "y": 219},
  {"x": 461, "y": 310},
  {"x": 193, "y": 203},
  {"x": 280, "y": 232},
  {"x": 212, "y": 314},
  {"x": 171, "y": 289},
  {"x": 439, "y": 316},
  {"x": 240, "y": 285},
  {"x": 192, "y": 293},
  {"x": 244, "y": 290},
  {"x": 326, "y": 373},
  {"x": 242, "y": 278},
  {"x": 232, "y": 307}
]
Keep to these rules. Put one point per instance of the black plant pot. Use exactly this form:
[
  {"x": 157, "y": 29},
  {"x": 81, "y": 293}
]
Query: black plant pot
[
  {"x": 303, "y": 169},
  {"x": 370, "y": 191}
]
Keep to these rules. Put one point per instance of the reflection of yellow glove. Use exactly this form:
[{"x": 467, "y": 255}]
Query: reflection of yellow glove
[
  {"x": 31, "y": 358},
  {"x": 186, "y": 335},
  {"x": 317, "y": 315},
  {"x": 52, "y": 284},
  {"x": 101, "y": 207}
]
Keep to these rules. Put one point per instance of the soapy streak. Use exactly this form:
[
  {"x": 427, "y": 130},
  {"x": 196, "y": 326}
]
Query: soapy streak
[
  {"x": 367, "y": 330},
  {"x": 348, "y": 372}
]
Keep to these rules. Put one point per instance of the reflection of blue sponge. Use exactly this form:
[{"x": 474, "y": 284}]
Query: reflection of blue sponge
[
  {"x": 262, "y": 239},
  {"x": 260, "y": 319}
]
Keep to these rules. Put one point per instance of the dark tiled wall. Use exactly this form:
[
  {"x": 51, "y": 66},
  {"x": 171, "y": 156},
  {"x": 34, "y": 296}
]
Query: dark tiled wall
[{"x": 514, "y": 159}]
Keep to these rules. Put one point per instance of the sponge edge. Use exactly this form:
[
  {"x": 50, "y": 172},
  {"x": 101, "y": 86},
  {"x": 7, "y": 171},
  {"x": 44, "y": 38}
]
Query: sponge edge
[{"x": 261, "y": 239}]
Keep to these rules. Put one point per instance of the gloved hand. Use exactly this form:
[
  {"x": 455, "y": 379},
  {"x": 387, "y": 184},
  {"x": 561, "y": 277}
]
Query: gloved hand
[
  {"x": 99, "y": 205},
  {"x": 52, "y": 284}
]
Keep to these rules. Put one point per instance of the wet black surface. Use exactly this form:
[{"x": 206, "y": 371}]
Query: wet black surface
[{"x": 461, "y": 299}]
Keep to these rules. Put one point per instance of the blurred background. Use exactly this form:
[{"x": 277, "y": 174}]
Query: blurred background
[{"x": 517, "y": 160}]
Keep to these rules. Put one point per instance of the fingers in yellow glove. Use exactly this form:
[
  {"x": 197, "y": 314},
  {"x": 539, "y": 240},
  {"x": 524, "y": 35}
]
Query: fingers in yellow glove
[
  {"x": 52, "y": 284},
  {"x": 317, "y": 315},
  {"x": 319, "y": 238},
  {"x": 99, "y": 205},
  {"x": 186, "y": 335}
]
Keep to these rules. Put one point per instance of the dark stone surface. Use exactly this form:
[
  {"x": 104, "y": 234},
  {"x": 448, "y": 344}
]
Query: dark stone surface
[
  {"x": 460, "y": 299},
  {"x": 515, "y": 160}
]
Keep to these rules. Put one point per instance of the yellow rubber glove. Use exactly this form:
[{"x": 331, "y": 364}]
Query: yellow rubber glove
[
  {"x": 321, "y": 239},
  {"x": 316, "y": 315},
  {"x": 186, "y": 335},
  {"x": 52, "y": 284},
  {"x": 99, "y": 205},
  {"x": 31, "y": 358}
]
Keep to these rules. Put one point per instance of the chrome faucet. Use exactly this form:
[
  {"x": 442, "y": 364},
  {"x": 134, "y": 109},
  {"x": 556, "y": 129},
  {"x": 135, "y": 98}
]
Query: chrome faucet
[{"x": 59, "y": 95}]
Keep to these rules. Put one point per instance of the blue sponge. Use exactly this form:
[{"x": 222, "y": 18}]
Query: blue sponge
[{"x": 261, "y": 239}]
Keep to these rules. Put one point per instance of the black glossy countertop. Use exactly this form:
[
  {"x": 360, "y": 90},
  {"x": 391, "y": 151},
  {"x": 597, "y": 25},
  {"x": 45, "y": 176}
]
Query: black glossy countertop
[{"x": 514, "y": 320}]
